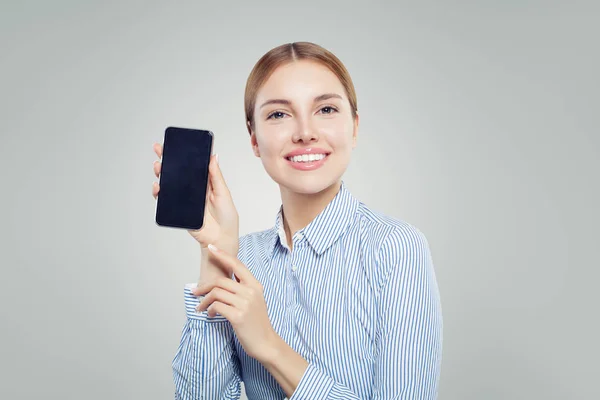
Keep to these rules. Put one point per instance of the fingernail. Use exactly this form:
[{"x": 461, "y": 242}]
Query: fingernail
[
  {"x": 217, "y": 157},
  {"x": 213, "y": 248}
]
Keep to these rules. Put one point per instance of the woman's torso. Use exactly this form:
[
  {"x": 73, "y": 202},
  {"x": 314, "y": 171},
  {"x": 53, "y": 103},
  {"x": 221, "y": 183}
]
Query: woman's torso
[{"x": 321, "y": 297}]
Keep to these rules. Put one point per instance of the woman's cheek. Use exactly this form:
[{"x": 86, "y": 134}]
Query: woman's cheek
[
  {"x": 339, "y": 137},
  {"x": 269, "y": 144}
]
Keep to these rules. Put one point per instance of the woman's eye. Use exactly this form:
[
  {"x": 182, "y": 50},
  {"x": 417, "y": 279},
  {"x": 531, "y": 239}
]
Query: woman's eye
[
  {"x": 328, "y": 110},
  {"x": 276, "y": 115}
]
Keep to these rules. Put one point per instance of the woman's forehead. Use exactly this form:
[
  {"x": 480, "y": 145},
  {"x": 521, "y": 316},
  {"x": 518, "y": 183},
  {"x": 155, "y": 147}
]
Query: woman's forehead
[{"x": 299, "y": 80}]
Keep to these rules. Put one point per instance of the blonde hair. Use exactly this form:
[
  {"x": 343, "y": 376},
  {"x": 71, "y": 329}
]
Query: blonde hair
[{"x": 287, "y": 53}]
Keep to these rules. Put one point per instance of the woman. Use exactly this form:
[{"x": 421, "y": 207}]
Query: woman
[{"x": 336, "y": 301}]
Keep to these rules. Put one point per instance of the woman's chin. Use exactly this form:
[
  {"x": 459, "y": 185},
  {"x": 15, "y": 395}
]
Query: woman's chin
[{"x": 308, "y": 185}]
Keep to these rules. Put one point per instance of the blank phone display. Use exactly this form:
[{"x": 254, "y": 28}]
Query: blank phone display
[{"x": 183, "y": 178}]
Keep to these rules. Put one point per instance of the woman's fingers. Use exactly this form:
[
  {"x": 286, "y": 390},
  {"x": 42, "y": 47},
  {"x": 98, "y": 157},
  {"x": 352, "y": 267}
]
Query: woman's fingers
[
  {"x": 225, "y": 310},
  {"x": 219, "y": 187},
  {"x": 209, "y": 189},
  {"x": 223, "y": 282},
  {"x": 157, "y": 166},
  {"x": 158, "y": 149},
  {"x": 221, "y": 295}
]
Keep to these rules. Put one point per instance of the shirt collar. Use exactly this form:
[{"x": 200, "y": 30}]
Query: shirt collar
[{"x": 328, "y": 225}]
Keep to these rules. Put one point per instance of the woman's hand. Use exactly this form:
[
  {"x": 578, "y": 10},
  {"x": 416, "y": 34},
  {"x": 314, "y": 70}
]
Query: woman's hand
[
  {"x": 221, "y": 221},
  {"x": 243, "y": 304}
]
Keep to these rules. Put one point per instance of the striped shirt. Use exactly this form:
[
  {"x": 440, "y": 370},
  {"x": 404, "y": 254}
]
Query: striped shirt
[{"x": 357, "y": 298}]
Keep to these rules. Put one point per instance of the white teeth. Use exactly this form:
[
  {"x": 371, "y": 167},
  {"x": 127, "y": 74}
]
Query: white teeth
[{"x": 307, "y": 158}]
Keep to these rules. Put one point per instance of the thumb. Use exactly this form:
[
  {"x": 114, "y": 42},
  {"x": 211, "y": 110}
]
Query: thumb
[{"x": 217, "y": 181}]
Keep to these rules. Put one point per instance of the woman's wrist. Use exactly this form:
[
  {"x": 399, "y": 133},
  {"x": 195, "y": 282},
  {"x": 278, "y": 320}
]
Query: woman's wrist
[
  {"x": 209, "y": 271},
  {"x": 284, "y": 364},
  {"x": 272, "y": 351}
]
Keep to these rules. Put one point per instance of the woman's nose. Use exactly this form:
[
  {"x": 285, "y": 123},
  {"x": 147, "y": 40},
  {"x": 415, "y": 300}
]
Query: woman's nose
[{"x": 305, "y": 133}]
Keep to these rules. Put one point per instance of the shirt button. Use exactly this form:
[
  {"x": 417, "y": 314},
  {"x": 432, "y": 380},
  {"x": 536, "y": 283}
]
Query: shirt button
[{"x": 294, "y": 268}]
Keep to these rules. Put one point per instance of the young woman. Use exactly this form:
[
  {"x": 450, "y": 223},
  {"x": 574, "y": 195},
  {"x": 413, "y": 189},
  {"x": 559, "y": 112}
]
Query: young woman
[{"x": 336, "y": 301}]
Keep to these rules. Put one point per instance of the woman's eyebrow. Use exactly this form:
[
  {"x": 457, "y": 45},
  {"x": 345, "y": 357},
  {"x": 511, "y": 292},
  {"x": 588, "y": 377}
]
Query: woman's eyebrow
[
  {"x": 317, "y": 99},
  {"x": 276, "y": 101},
  {"x": 327, "y": 96}
]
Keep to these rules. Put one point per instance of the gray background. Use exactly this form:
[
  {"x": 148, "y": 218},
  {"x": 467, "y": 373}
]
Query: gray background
[{"x": 478, "y": 125}]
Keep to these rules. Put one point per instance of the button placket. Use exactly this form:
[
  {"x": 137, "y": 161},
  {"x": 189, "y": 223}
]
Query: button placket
[
  {"x": 299, "y": 242},
  {"x": 290, "y": 292},
  {"x": 294, "y": 259},
  {"x": 293, "y": 280}
]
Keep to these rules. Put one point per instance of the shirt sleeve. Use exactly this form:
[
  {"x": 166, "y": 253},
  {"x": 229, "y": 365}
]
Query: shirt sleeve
[
  {"x": 410, "y": 328},
  {"x": 206, "y": 365}
]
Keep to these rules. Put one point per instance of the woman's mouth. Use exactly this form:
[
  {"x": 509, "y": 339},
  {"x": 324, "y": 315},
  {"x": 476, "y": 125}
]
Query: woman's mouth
[
  {"x": 307, "y": 157},
  {"x": 307, "y": 162}
]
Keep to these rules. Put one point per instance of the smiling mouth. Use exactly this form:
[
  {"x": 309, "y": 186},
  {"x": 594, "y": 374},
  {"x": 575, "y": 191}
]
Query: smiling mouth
[{"x": 307, "y": 158}]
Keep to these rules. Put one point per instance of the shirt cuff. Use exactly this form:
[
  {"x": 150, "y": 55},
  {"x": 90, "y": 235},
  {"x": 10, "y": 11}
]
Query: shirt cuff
[
  {"x": 191, "y": 301},
  {"x": 314, "y": 384}
]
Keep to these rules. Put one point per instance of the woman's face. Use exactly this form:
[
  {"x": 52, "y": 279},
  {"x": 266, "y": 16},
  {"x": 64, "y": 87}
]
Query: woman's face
[{"x": 304, "y": 131}]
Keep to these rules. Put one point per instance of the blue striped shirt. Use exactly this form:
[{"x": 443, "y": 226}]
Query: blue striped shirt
[{"x": 357, "y": 297}]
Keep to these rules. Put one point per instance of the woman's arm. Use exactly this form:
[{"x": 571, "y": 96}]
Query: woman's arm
[
  {"x": 206, "y": 365},
  {"x": 409, "y": 338},
  {"x": 285, "y": 365}
]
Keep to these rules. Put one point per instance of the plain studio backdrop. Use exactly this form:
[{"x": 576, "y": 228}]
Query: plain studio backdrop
[{"x": 479, "y": 125}]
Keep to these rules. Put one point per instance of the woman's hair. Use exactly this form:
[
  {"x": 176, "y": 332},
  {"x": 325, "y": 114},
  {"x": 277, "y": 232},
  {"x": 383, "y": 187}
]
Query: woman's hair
[{"x": 285, "y": 54}]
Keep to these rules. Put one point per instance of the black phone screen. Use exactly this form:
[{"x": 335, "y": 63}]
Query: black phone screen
[{"x": 183, "y": 178}]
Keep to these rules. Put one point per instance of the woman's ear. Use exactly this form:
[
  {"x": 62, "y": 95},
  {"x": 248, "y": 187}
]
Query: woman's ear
[
  {"x": 254, "y": 144},
  {"x": 355, "y": 131}
]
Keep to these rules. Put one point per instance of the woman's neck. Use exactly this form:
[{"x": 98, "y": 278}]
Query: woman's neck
[{"x": 300, "y": 209}]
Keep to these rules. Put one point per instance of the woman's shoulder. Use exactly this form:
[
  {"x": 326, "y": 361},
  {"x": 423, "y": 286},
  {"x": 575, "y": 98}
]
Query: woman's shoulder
[
  {"x": 256, "y": 243},
  {"x": 257, "y": 237},
  {"x": 388, "y": 228},
  {"x": 398, "y": 246}
]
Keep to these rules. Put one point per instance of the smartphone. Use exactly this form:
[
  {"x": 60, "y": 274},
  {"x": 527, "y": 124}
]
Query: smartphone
[{"x": 184, "y": 178}]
